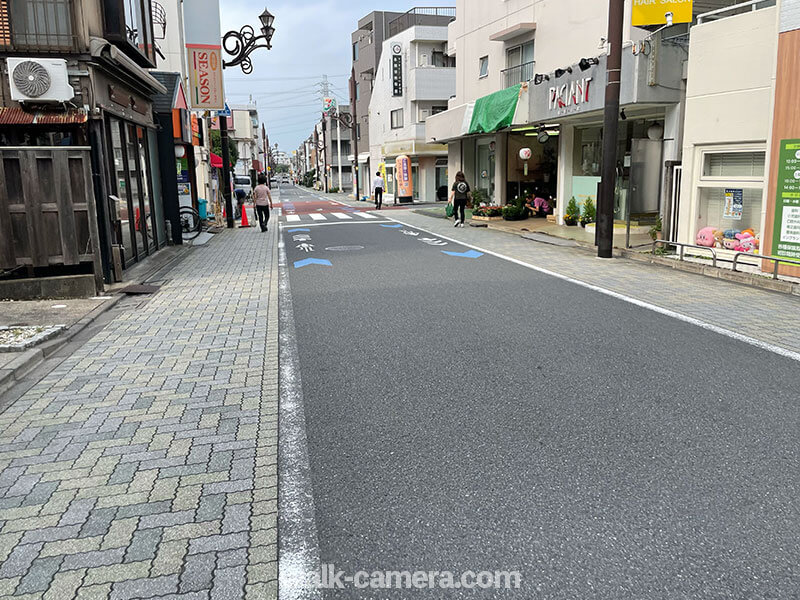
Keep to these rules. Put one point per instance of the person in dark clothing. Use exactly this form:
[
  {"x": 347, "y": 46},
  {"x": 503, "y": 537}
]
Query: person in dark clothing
[{"x": 460, "y": 194}]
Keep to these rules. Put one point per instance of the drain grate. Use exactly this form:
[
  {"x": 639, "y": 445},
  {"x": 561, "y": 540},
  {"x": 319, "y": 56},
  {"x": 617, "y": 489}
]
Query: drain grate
[{"x": 135, "y": 290}]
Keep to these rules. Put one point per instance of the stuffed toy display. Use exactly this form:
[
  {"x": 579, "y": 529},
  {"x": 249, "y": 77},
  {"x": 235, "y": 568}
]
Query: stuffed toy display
[{"x": 730, "y": 239}]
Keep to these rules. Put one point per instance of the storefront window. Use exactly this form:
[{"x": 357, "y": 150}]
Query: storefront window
[
  {"x": 136, "y": 190},
  {"x": 730, "y": 198},
  {"x": 485, "y": 166},
  {"x": 121, "y": 191},
  {"x": 158, "y": 204}
]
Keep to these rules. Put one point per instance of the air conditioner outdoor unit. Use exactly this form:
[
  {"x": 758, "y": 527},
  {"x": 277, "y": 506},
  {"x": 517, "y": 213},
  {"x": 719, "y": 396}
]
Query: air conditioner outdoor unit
[{"x": 39, "y": 80}]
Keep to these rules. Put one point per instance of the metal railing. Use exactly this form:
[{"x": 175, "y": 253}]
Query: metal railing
[
  {"x": 736, "y": 9},
  {"x": 776, "y": 260},
  {"x": 37, "y": 25},
  {"x": 519, "y": 74},
  {"x": 421, "y": 15}
]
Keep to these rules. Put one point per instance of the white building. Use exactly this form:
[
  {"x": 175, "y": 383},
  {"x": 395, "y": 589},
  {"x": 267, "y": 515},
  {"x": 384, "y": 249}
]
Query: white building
[
  {"x": 415, "y": 78},
  {"x": 246, "y": 134},
  {"x": 556, "y": 53}
]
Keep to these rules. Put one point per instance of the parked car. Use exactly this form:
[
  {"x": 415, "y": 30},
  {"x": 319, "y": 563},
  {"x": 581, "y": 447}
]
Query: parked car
[{"x": 242, "y": 182}]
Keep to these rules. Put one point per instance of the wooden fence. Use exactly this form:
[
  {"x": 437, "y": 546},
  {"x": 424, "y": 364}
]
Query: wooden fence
[{"x": 47, "y": 212}]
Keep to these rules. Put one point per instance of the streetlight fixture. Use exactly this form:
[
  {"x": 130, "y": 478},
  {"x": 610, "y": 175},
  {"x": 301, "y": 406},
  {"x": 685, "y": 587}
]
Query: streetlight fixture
[{"x": 240, "y": 45}]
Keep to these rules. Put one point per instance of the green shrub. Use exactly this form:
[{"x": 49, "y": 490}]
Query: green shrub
[{"x": 589, "y": 212}]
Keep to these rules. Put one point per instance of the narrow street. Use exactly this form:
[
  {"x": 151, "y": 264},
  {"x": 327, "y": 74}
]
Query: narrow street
[
  {"x": 440, "y": 409},
  {"x": 463, "y": 412}
]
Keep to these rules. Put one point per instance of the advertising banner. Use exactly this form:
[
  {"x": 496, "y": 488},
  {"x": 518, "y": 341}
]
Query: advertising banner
[
  {"x": 654, "y": 12},
  {"x": 786, "y": 236},
  {"x": 734, "y": 204},
  {"x": 204, "y": 53},
  {"x": 328, "y": 104},
  {"x": 405, "y": 185}
]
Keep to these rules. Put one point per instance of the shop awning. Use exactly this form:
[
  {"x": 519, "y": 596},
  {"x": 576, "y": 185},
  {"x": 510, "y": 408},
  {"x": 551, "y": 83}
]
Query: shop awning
[
  {"x": 495, "y": 111},
  {"x": 216, "y": 160},
  {"x": 11, "y": 115}
]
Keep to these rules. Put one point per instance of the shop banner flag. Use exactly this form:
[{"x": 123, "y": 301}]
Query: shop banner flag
[
  {"x": 201, "y": 24},
  {"x": 654, "y": 12},
  {"x": 403, "y": 177}
]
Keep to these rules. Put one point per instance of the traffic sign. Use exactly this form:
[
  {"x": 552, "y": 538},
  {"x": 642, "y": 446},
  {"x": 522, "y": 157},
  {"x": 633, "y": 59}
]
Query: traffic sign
[{"x": 226, "y": 112}]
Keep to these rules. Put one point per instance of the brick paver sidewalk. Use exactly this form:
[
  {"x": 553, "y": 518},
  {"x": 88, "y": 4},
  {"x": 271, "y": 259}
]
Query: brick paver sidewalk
[{"x": 145, "y": 465}]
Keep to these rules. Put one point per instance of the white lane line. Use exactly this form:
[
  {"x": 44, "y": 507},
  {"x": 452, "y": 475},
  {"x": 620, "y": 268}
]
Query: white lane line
[
  {"x": 318, "y": 217},
  {"x": 785, "y": 352},
  {"x": 364, "y": 215},
  {"x": 292, "y": 218},
  {"x": 341, "y": 216}
]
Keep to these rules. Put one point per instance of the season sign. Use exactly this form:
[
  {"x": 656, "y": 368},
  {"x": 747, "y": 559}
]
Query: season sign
[
  {"x": 570, "y": 94},
  {"x": 205, "y": 78}
]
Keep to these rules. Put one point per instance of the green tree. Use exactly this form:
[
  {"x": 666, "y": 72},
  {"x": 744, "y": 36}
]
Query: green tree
[{"x": 216, "y": 146}]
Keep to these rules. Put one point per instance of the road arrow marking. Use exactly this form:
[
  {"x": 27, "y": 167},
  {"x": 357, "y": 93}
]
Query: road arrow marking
[
  {"x": 297, "y": 229},
  {"x": 305, "y": 247},
  {"x": 397, "y": 226},
  {"x": 312, "y": 261},
  {"x": 434, "y": 242},
  {"x": 467, "y": 254}
]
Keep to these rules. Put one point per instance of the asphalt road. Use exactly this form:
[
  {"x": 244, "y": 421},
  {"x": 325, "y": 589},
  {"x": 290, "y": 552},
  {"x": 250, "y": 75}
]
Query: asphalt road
[{"x": 471, "y": 414}]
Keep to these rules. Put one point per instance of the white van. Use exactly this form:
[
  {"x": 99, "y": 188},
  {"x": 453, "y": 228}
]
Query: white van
[{"x": 242, "y": 182}]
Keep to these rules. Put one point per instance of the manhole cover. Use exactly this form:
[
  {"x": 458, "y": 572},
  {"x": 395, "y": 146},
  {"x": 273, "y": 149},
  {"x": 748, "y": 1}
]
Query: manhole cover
[
  {"x": 344, "y": 248},
  {"x": 138, "y": 289}
]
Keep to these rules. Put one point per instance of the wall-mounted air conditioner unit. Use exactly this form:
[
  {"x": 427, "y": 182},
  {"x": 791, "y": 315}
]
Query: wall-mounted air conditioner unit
[{"x": 39, "y": 80}]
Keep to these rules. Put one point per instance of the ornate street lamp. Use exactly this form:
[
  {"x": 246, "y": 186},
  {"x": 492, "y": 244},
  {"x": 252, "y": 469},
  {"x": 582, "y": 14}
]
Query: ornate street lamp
[{"x": 240, "y": 45}]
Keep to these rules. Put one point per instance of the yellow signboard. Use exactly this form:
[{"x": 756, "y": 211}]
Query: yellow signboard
[{"x": 654, "y": 12}]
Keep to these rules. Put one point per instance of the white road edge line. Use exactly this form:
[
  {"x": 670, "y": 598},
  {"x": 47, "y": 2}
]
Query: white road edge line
[
  {"x": 298, "y": 542},
  {"x": 785, "y": 352}
]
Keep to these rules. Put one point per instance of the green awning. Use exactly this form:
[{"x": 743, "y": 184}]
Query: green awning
[{"x": 495, "y": 111}]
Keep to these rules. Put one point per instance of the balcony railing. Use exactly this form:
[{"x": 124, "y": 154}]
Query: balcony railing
[
  {"x": 36, "y": 25},
  {"x": 519, "y": 74},
  {"x": 422, "y": 15},
  {"x": 736, "y": 9}
]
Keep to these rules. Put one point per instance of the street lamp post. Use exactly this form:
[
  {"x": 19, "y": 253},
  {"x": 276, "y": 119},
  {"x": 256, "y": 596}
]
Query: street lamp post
[{"x": 240, "y": 45}]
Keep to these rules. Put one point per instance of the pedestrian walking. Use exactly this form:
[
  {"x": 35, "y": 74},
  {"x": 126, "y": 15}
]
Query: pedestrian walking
[
  {"x": 377, "y": 189},
  {"x": 459, "y": 195},
  {"x": 263, "y": 202}
]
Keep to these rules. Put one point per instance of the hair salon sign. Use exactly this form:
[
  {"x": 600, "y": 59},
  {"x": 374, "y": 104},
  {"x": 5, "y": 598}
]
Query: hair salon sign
[{"x": 570, "y": 96}]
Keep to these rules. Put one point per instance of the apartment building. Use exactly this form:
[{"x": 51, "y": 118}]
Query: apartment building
[
  {"x": 245, "y": 134},
  {"x": 414, "y": 80},
  {"x": 367, "y": 48}
]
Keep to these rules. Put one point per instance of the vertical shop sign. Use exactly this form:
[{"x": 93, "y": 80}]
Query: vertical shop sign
[
  {"x": 405, "y": 185},
  {"x": 734, "y": 204},
  {"x": 204, "y": 54},
  {"x": 786, "y": 236}
]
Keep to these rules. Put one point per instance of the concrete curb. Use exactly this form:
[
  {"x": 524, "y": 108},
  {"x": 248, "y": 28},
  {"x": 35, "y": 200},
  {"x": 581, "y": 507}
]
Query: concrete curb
[
  {"x": 28, "y": 360},
  {"x": 773, "y": 285}
]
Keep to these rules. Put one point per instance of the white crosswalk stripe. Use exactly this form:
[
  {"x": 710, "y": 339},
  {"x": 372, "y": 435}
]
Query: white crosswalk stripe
[
  {"x": 292, "y": 218},
  {"x": 318, "y": 217},
  {"x": 364, "y": 215},
  {"x": 341, "y": 216}
]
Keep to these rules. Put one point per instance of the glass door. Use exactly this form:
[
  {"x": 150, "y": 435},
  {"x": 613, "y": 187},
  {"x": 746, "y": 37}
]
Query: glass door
[
  {"x": 124, "y": 214},
  {"x": 137, "y": 196}
]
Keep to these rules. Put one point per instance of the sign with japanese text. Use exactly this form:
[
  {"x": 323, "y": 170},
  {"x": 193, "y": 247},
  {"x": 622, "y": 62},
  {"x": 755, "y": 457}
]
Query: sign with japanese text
[
  {"x": 734, "y": 204},
  {"x": 654, "y": 12},
  {"x": 204, "y": 53},
  {"x": 405, "y": 184},
  {"x": 786, "y": 236}
]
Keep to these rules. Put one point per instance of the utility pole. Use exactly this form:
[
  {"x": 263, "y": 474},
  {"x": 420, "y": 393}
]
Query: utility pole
[
  {"x": 354, "y": 129},
  {"x": 605, "y": 213},
  {"x": 226, "y": 173},
  {"x": 325, "y": 151}
]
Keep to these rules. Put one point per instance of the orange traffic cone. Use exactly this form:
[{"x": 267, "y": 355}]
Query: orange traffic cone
[{"x": 245, "y": 222}]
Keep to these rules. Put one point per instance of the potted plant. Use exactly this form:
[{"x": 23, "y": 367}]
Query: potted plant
[
  {"x": 515, "y": 211},
  {"x": 572, "y": 213},
  {"x": 478, "y": 198},
  {"x": 589, "y": 213},
  {"x": 655, "y": 230}
]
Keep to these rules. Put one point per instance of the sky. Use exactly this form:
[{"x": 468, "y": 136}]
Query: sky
[{"x": 312, "y": 39}]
